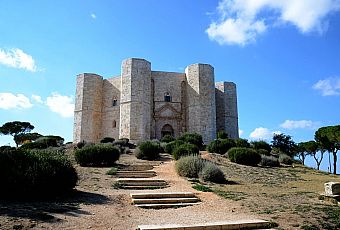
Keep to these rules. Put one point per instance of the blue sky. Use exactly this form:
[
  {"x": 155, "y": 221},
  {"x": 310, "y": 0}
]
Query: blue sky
[{"x": 282, "y": 54}]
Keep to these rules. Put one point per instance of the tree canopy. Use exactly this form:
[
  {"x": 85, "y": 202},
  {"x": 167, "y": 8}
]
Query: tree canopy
[
  {"x": 15, "y": 128},
  {"x": 329, "y": 139},
  {"x": 285, "y": 144}
]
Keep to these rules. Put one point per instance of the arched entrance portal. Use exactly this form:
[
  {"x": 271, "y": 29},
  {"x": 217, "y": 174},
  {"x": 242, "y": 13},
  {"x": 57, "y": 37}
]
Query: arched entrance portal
[{"x": 167, "y": 130}]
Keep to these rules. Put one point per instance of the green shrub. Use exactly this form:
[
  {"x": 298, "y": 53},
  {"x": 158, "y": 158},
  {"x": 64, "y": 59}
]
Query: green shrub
[
  {"x": 147, "y": 150},
  {"x": 184, "y": 150},
  {"x": 192, "y": 138},
  {"x": 112, "y": 171},
  {"x": 263, "y": 152},
  {"x": 220, "y": 146},
  {"x": 240, "y": 142},
  {"x": 35, "y": 173},
  {"x": 107, "y": 140},
  {"x": 269, "y": 161},
  {"x": 222, "y": 135},
  {"x": 212, "y": 173},
  {"x": 285, "y": 159},
  {"x": 6, "y": 148},
  {"x": 167, "y": 138},
  {"x": 81, "y": 144},
  {"x": 261, "y": 145},
  {"x": 169, "y": 147},
  {"x": 44, "y": 142},
  {"x": 245, "y": 156},
  {"x": 189, "y": 166},
  {"x": 97, "y": 155}
]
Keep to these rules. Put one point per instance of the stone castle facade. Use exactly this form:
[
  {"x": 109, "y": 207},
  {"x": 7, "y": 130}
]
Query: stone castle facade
[{"x": 142, "y": 104}]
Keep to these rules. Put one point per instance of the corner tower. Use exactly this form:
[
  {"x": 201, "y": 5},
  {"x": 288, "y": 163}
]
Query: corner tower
[
  {"x": 88, "y": 106},
  {"x": 226, "y": 108},
  {"x": 201, "y": 107},
  {"x": 135, "y": 101}
]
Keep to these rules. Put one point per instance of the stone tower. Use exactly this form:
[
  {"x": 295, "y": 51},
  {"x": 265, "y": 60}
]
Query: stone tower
[
  {"x": 88, "y": 107},
  {"x": 226, "y": 104},
  {"x": 135, "y": 100},
  {"x": 201, "y": 107}
]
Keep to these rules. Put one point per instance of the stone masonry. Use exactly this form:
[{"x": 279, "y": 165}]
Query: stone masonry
[{"x": 142, "y": 104}]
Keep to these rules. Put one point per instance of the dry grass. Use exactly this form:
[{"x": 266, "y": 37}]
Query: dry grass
[{"x": 287, "y": 195}]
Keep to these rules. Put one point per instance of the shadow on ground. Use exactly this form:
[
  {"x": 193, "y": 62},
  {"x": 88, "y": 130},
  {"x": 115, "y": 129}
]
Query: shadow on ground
[{"x": 44, "y": 209}]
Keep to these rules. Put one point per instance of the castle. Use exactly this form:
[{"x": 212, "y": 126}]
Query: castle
[{"x": 142, "y": 104}]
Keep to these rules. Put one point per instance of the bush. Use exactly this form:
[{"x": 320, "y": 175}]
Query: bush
[
  {"x": 211, "y": 172},
  {"x": 167, "y": 138},
  {"x": 189, "y": 166},
  {"x": 285, "y": 159},
  {"x": 244, "y": 156},
  {"x": 192, "y": 138},
  {"x": 107, "y": 140},
  {"x": 44, "y": 142},
  {"x": 97, "y": 155},
  {"x": 81, "y": 144},
  {"x": 6, "y": 148},
  {"x": 240, "y": 142},
  {"x": 147, "y": 150},
  {"x": 269, "y": 161},
  {"x": 261, "y": 145},
  {"x": 169, "y": 147},
  {"x": 222, "y": 135},
  {"x": 220, "y": 146},
  {"x": 263, "y": 152},
  {"x": 35, "y": 173},
  {"x": 184, "y": 150}
]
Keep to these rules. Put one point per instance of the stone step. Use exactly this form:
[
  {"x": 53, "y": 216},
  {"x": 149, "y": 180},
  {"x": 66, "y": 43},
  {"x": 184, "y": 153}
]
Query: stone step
[
  {"x": 140, "y": 187},
  {"x": 236, "y": 224},
  {"x": 150, "y": 183},
  {"x": 163, "y": 206},
  {"x": 135, "y": 175},
  {"x": 166, "y": 200},
  {"x": 138, "y": 180},
  {"x": 162, "y": 195},
  {"x": 144, "y": 171}
]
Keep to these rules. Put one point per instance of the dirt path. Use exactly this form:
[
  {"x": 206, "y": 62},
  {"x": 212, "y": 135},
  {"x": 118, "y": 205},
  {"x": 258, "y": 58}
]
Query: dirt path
[{"x": 99, "y": 206}]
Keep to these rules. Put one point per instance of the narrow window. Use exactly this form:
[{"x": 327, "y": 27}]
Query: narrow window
[
  {"x": 114, "y": 102},
  {"x": 167, "y": 97},
  {"x": 114, "y": 124}
]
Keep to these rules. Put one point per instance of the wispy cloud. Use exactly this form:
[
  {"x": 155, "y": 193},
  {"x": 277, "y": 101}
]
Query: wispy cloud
[
  {"x": 17, "y": 58},
  {"x": 301, "y": 124},
  {"x": 12, "y": 101},
  {"x": 93, "y": 16},
  {"x": 242, "y": 21},
  {"x": 60, "y": 104},
  {"x": 37, "y": 99},
  {"x": 262, "y": 133},
  {"x": 328, "y": 87}
]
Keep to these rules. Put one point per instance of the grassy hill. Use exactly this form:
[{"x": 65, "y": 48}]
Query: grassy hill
[{"x": 290, "y": 196}]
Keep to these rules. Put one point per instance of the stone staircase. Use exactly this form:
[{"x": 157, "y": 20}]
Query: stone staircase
[
  {"x": 135, "y": 174},
  {"x": 141, "y": 183},
  {"x": 164, "y": 200},
  {"x": 236, "y": 224}
]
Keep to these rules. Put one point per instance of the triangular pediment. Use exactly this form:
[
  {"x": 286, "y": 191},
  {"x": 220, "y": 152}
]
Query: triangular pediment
[{"x": 167, "y": 111}]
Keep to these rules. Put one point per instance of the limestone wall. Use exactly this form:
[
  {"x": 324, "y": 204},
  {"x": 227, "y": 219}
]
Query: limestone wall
[
  {"x": 135, "y": 103},
  {"x": 201, "y": 107},
  {"x": 88, "y": 108},
  {"x": 226, "y": 108},
  {"x": 111, "y": 112}
]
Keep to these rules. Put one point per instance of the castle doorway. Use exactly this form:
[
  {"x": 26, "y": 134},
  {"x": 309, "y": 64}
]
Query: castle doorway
[{"x": 167, "y": 130}]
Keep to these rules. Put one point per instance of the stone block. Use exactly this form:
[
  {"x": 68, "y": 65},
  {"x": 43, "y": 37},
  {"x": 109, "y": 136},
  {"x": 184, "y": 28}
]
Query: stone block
[{"x": 332, "y": 188}]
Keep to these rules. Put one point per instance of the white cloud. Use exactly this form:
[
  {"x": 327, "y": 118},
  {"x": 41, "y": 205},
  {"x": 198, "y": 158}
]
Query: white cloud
[
  {"x": 12, "y": 101},
  {"x": 241, "y": 21},
  {"x": 262, "y": 133},
  {"x": 62, "y": 105},
  {"x": 302, "y": 124},
  {"x": 328, "y": 87},
  {"x": 93, "y": 16},
  {"x": 37, "y": 98},
  {"x": 17, "y": 58},
  {"x": 240, "y": 132}
]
